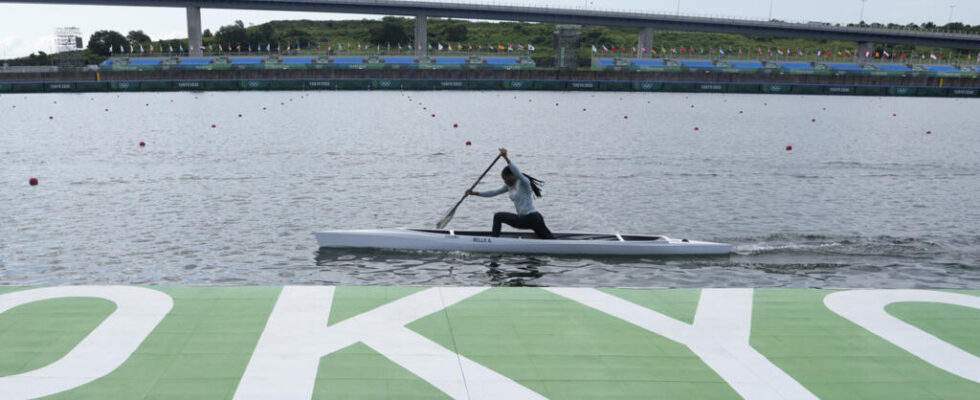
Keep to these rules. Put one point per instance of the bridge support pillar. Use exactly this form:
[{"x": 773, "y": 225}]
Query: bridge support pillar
[
  {"x": 864, "y": 48},
  {"x": 421, "y": 36},
  {"x": 194, "y": 32},
  {"x": 646, "y": 42}
]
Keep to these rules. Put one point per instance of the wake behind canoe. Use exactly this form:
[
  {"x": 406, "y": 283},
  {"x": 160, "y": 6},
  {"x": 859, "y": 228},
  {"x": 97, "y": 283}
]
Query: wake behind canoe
[{"x": 518, "y": 242}]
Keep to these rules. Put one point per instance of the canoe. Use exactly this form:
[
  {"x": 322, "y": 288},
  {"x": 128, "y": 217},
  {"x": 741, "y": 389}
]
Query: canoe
[{"x": 518, "y": 242}]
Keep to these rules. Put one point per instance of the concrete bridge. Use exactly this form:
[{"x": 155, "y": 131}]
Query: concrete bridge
[{"x": 645, "y": 22}]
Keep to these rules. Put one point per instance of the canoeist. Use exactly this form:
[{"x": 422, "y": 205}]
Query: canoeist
[{"x": 519, "y": 187}]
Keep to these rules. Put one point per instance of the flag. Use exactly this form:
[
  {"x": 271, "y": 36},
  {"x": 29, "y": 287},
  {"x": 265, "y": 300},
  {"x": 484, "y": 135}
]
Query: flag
[
  {"x": 131, "y": 48},
  {"x": 141, "y": 47},
  {"x": 633, "y": 50},
  {"x": 622, "y": 49},
  {"x": 440, "y": 46},
  {"x": 604, "y": 49},
  {"x": 932, "y": 55},
  {"x": 885, "y": 53},
  {"x": 520, "y": 47},
  {"x": 867, "y": 54},
  {"x": 653, "y": 51},
  {"x": 250, "y": 47},
  {"x": 643, "y": 49},
  {"x": 110, "y": 49},
  {"x": 683, "y": 50},
  {"x": 201, "y": 46},
  {"x": 151, "y": 47},
  {"x": 530, "y": 47},
  {"x": 450, "y": 47},
  {"x": 673, "y": 50},
  {"x": 289, "y": 46},
  {"x": 819, "y": 53},
  {"x": 279, "y": 47},
  {"x": 501, "y": 47},
  {"x": 510, "y": 47},
  {"x": 799, "y": 52},
  {"x": 171, "y": 48},
  {"x": 410, "y": 46},
  {"x": 469, "y": 47},
  {"x": 340, "y": 47},
  {"x": 760, "y": 51},
  {"x": 780, "y": 51},
  {"x": 181, "y": 45},
  {"x": 430, "y": 46},
  {"x": 663, "y": 50},
  {"x": 721, "y": 50},
  {"x": 740, "y": 52}
]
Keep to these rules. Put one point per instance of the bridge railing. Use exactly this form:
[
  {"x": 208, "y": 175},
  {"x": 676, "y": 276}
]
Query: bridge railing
[{"x": 714, "y": 18}]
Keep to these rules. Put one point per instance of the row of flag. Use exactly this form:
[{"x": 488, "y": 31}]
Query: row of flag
[
  {"x": 340, "y": 47},
  {"x": 778, "y": 52}
]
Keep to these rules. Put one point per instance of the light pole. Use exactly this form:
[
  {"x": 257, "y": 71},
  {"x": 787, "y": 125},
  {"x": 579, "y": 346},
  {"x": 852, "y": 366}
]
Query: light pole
[
  {"x": 678, "y": 7},
  {"x": 862, "y": 10},
  {"x": 951, "y": 7},
  {"x": 770, "y": 9}
]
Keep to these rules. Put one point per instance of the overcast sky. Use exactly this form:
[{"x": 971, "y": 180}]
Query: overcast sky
[{"x": 27, "y": 28}]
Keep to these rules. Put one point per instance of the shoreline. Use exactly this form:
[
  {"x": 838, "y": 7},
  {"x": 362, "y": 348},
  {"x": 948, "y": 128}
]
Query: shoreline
[{"x": 538, "y": 80}]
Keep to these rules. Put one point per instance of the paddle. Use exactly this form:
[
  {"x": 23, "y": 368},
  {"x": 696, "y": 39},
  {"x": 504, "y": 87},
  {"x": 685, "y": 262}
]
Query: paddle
[{"x": 442, "y": 223}]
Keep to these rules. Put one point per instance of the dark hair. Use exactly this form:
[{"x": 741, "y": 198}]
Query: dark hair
[{"x": 535, "y": 183}]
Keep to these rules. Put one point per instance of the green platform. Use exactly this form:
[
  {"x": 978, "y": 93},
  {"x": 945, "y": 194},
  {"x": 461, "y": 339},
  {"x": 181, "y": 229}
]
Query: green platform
[{"x": 480, "y": 343}]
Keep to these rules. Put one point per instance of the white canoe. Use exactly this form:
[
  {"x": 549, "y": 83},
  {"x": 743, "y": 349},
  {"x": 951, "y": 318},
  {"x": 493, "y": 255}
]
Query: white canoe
[{"x": 518, "y": 242}]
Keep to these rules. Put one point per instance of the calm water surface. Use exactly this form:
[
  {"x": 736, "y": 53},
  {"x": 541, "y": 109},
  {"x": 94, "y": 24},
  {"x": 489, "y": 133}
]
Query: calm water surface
[{"x": 866, "y": 198}]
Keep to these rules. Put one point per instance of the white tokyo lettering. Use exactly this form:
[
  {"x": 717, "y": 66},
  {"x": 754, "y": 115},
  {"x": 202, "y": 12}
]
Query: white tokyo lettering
[
  {"x": 867, "y": 309},
  {"x": 138, "y": 311},
  {"x": 284, "y": 363},
  {"x": 719, "y": 335}
]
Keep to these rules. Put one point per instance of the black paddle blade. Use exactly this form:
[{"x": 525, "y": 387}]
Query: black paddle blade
[{"x": 445, "y": 220}]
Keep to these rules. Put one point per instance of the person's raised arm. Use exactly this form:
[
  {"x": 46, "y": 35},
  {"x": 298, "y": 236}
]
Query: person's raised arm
[{"x": 513, "y": 168}]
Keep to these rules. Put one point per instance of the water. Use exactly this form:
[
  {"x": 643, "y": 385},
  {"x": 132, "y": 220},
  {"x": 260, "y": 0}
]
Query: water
[{"x": 864, "y": 199}]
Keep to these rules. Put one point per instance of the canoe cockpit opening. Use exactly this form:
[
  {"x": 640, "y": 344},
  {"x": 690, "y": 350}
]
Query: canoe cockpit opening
[{"x": 558, "y": 236}]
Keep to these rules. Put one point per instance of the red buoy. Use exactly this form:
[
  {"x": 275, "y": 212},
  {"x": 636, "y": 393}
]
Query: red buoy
[
  {"x": 142, "y": 144},
  {"x": 894, "y": 115},
  {"x": 928, "y": 132},
  {"x": 825, "y": 108},
  {"x": 50, "y": 117},
  {"x": 789, "y": 148},
  {"x": 32, "y": 181},
  {"x": 697, "y": 129},
  {"x": 583, "y": 109},
  {"x": 455, "y": 125},
  {"x": 626, "y": 117},
  {"x": 214, "y": 126},
  {"x": 425, "y": 108},
  {"x": 239, "y": 115},
  {"x": 739, "y": 111},
  {"x": 556, "y": 104},
  {"x": 433, "y": 115},
  {"x": 692, "y": 105},
  {"x": 147, "y": 104},
  {"x": 469, "y": 143},
  {"x": 813, "y": 120},
  {"x": 107, "y": 110}
]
